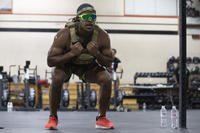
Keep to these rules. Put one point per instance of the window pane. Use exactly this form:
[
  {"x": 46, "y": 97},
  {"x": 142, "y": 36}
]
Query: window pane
[
  {"x": 151, "y": 7},
  {"x": 5, "y": 5}
]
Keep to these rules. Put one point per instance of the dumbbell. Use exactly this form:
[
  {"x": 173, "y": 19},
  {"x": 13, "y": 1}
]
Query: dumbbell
[
  {"x": 195, "y": 60},
  {"x": 195, "y": 70},
  {"x": 189, "y": 60},
  {"x": 172, "y": 59}
]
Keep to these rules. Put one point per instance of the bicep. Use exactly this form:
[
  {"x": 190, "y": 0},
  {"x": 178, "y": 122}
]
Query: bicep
[
  {"x": 106, "y": 47},
  {"x": 59, "y": 44},
  {"x": 55, "y": 51}
]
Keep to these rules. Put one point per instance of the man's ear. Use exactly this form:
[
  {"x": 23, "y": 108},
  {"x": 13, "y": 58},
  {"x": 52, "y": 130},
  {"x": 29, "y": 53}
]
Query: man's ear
[{"x": 77, "y": 19}]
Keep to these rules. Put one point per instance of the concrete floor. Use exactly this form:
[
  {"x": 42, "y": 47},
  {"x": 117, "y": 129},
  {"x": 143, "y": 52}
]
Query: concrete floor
[{"x": 84, "y": 122}]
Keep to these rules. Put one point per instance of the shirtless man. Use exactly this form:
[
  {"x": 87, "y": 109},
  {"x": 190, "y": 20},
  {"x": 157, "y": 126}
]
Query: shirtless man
[{"x": 81, "y": 48}]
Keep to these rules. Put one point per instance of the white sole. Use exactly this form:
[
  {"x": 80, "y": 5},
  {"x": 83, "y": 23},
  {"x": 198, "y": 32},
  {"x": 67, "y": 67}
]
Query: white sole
[{"x": 101, "y": 127}]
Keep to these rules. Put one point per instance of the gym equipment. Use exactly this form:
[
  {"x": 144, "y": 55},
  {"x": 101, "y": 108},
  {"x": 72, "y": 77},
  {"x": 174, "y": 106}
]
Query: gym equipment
[
  {"x": 191, "y": 11},
  {"x": 172, "y": 59},
  {"x": 65, "y": 97},
  {"x": 86, "y": 97},
  {"x": 189, "y": 60},
  {"x": 40, "y": 84},
  {"x": 196, "y": 60},
  {"x": 194, "y": 83},
  {"x": 153, "y": 94},
  {"x": 193, "y": 89},
  {"x": 117, "y": 99},
  {"x": 195, "y": 70},
  {"x": 30, "y": 77},
  {"x": 4, "y": 93},
  {"x": 29, "y": 92},
  {"x": 12, "y": 79}
]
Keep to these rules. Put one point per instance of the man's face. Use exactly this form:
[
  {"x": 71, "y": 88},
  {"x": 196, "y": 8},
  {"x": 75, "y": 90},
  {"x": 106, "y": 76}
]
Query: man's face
[{"x": 87, "y": 20}]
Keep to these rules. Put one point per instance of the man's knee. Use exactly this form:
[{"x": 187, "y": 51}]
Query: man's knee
[
  {"x": 58, "y": 76},
  {"x": 57, "y": 80},
  {"x": 105, "y": 79}
]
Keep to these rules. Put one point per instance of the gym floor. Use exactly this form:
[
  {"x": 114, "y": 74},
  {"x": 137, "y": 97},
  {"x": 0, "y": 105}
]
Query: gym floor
[{"x": 84, "y": 122}]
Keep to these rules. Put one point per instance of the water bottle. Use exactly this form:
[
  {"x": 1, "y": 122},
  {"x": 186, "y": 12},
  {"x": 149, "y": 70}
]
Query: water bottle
[
  {"x": 144, "y": 106},
  {"x": 174, "y": 118},
  {"x": 9, "y": 107},
  {"x": 163, "y": 117}
]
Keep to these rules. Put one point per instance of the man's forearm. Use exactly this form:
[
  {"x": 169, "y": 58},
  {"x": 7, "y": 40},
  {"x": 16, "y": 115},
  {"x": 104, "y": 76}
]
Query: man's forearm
[
  {"x": 59, "y": 59},
  {"x": 103, "y": 60}
]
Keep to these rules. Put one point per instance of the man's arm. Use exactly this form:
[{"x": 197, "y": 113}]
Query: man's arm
[
  {"x": 101, "y": 51},
  {"x": 105, "y": 57},
  {"x": 56, "y": 54}
]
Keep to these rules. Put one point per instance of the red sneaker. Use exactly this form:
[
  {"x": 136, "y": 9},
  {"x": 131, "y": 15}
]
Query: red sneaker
[
  {"x": 52, "y": 123},
  {"x": 104, "y": 123}
]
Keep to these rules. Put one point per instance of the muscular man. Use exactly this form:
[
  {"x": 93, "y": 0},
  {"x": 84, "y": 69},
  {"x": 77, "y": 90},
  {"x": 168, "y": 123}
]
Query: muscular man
[{"x": 81, "y": 48}]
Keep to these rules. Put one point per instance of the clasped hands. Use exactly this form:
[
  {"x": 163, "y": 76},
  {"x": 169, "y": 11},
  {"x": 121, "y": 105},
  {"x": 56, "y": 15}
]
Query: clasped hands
[{"x": 77, "y": 48}]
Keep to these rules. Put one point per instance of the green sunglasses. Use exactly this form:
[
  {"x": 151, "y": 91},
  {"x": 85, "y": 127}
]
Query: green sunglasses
[{"x": 88, "y": 17}]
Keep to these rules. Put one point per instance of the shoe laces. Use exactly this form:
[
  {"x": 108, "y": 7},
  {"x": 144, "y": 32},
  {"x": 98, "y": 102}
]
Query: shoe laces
[
  {"x": 104, "y": 119},
  {"x": 52, "y": 119}
]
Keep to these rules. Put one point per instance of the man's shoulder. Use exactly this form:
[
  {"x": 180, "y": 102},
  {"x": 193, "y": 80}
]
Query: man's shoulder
[
  {"x": 64, "y": 32},
  {"x": 62, "y": 35},
  {"x": 101, "y": 31}
]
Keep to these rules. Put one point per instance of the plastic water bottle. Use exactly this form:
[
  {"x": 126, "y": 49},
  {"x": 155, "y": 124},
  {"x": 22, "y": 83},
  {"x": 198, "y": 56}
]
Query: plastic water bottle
[
  {"x": 163, "y": 117},
  {"x": 9, "y": 107},
  {"x": 144, "y": 106},
  {"x": 174, "y": 118}
]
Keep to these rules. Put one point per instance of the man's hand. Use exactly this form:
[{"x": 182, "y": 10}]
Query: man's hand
[
  {"x": 76, "y": 49},
  {"x": 92, "y": 48}
]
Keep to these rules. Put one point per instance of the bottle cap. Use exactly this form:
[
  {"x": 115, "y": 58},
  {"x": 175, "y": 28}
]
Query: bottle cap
[{"x": 173, "y": 107}]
